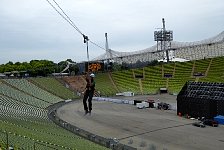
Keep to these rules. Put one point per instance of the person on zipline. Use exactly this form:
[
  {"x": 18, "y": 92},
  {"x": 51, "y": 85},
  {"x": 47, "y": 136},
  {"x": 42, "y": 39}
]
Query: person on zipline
[{"x": 88, "y": 94}]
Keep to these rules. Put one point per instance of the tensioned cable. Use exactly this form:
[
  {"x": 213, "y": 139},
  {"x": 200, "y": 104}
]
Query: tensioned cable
[
  {"x": 62, "y": 15},
  {"x": 96, "y": 45},
  {"x": 67, "y": 18}
]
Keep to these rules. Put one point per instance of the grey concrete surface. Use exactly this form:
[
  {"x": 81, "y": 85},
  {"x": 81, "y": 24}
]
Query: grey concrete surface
[{"x": 145, "y": 129}]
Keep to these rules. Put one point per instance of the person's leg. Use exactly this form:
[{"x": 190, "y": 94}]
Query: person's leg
[
  {"x": 90, "y": 100},
  {"x": 84, "y": 102}
]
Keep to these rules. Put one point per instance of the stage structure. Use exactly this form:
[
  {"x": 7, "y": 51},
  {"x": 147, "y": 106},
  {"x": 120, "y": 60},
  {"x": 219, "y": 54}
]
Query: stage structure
[
  {"x": 201, "y": 99},
  {"x": 166, "y": 47},
  {"x": 62, "y": 73}
]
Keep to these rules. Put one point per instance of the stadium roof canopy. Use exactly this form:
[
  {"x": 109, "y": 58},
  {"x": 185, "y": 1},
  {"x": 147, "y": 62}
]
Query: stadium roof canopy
[{"x": 191, "y": 46}]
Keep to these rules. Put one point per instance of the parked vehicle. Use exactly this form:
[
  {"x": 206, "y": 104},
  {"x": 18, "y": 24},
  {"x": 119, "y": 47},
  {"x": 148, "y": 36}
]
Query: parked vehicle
[
  {"x": 198, "y": 124},
  {"x": 164, "y": 106},
  {"x": 210, "y": 122}
]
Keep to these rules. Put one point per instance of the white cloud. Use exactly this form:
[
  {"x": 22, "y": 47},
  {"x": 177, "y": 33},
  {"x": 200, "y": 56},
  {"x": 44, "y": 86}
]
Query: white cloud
[{"x": 32, "y": 29}]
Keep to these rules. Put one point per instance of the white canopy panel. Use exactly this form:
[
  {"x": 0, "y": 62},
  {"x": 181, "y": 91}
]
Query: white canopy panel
[{"x": 185, "y": 50}]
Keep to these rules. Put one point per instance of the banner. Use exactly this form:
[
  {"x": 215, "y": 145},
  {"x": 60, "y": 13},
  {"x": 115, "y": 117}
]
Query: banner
[{"x": 94, "y": 66}]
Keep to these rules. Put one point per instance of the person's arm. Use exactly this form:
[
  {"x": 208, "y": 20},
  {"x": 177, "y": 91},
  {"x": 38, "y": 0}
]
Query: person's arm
[{"x": 92, "y": 83}]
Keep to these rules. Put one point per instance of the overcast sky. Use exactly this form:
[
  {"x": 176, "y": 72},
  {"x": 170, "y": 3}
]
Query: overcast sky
[{"x": 32, "y": 29}]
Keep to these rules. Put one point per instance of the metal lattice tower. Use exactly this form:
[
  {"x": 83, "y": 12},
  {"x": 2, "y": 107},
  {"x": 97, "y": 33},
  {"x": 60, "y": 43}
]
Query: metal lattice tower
[{"x": 163, "y": 38}]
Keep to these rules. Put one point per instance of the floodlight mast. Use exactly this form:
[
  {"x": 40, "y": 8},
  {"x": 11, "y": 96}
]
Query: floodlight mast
[
  {"x": 164, "y": 37},
  {"x": 106, "y": 45},
  {"x": 163, "y": 20},
  {"x": 108, "y": 51},
  {"x": 164, "y": 42}
]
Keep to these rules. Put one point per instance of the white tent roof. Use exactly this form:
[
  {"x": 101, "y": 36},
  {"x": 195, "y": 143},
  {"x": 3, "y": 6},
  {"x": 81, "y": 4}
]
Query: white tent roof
[{"x": 174, "y": 45}]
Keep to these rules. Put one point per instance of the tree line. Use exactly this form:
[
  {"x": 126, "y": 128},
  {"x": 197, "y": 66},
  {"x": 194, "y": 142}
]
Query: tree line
[
  {"x": 37, "y": 68},
  {"x": 45, "y": 68}
]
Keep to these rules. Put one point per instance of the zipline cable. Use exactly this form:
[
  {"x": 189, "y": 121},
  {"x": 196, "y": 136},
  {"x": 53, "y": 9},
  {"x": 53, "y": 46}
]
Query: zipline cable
[
  {"x": 62, "y": 15},
  {"x": 68, "y": 19}
]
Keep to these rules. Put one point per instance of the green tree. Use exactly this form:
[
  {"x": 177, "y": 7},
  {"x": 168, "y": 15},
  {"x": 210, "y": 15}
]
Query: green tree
[
  {"x": 38, "y": 67},
  {"x": 9, "y": 67},
  {"x": 2, "y": 68}
]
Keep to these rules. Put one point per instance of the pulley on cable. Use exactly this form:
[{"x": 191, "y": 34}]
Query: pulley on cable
[{"x": 86, "y": 39}]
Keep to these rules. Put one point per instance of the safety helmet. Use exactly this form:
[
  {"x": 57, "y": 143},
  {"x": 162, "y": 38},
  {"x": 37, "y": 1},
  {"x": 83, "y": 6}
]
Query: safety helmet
[{"x": 92, "y": 75}]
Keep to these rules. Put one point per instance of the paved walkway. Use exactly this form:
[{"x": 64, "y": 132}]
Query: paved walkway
[{"x": 143, "y": 128}]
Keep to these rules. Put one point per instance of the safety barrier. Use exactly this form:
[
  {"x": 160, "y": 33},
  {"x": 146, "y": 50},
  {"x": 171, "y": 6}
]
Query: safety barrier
[{"x": 9, "y": 140}]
